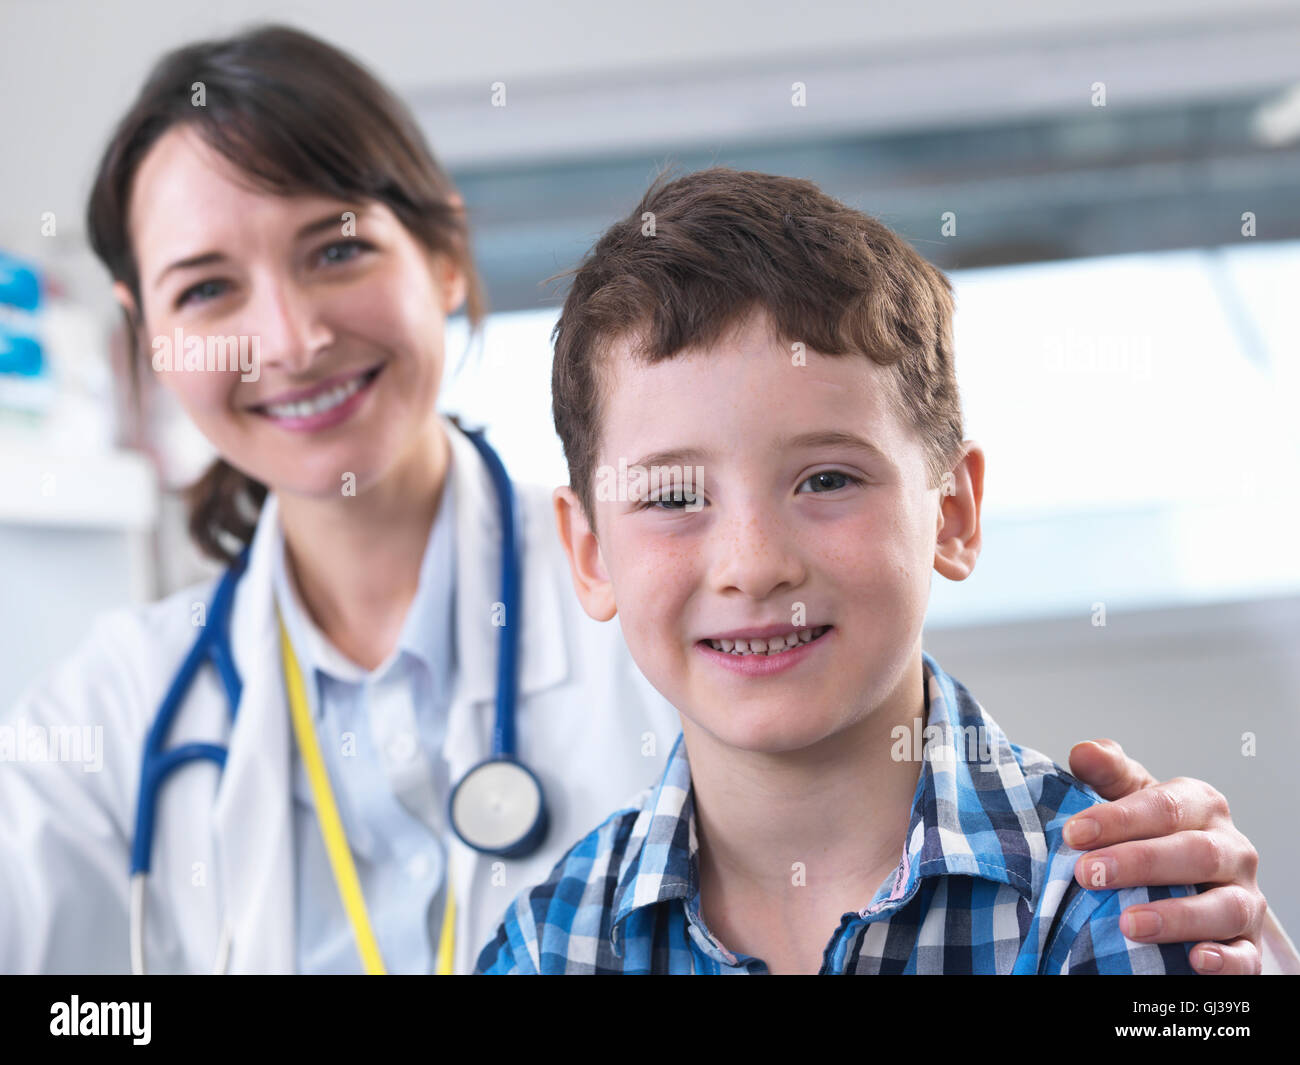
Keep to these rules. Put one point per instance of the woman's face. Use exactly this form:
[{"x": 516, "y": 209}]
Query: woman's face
[{"x": 342, "y": 325}]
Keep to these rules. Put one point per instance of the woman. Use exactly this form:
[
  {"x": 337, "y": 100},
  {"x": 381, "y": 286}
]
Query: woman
[{"x": 268, "y": 188}]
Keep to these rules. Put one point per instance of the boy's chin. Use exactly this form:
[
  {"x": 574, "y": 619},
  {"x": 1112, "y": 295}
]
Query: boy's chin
[{"x": 764, "y": 733}]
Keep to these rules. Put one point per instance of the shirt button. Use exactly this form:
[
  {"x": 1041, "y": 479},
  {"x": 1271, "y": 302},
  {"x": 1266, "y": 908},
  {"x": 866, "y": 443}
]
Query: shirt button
[
  {"x": 418, "y": 867},
  {"x": 401, "y": 748}
]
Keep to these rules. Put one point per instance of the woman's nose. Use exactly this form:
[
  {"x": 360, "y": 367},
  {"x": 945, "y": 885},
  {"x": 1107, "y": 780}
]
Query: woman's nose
[{"x": 289, "y": 324}]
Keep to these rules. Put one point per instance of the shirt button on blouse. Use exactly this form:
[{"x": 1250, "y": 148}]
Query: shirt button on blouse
[
  {"x": 402, "y": 747},
  {"x": 417, "y": 868}
]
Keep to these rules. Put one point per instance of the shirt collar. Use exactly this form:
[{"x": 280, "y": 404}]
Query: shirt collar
[
  {"x": 428, "y": 620},
  {"x": 972, "y": 814}
]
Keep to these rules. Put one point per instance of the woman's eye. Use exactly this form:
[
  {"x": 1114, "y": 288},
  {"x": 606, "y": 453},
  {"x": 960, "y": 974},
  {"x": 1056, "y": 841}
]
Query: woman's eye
[
  {"x": 347, "y": 249},
  {"x": 341, "y": 251},
  {"x": 830, "y": 481},
  {"x": 203, "y": 286}
]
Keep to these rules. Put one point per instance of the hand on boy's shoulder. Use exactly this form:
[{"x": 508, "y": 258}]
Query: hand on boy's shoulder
[
  {"x": 1078, "y": 929},
  {"x": 1178, "y": 831}
]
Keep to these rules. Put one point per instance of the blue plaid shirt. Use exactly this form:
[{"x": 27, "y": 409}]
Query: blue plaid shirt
[{"x": 985, "y": 885}]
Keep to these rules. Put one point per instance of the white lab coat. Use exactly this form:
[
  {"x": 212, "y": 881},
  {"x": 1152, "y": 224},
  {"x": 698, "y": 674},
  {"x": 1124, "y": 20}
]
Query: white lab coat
[{"x": 589, "y": 725}]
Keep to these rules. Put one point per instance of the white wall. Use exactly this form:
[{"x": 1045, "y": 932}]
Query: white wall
[{"x": 1178, "y": 688}]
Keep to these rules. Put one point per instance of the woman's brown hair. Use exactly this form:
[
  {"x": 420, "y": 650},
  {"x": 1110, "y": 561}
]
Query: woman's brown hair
[{"x": 297, "y": 115}]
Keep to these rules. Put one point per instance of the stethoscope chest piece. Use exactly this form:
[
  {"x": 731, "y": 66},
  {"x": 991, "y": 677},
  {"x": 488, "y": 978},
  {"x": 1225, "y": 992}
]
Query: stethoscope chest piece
[{"x": 497, "y": 808}]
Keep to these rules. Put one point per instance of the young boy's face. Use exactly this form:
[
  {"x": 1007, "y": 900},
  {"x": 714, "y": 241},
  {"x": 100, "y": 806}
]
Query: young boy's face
[{"x": 790, "y": 534}]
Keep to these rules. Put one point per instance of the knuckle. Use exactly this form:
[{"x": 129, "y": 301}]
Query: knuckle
[
  {"x": 1120, "y": 816},
  {"x": 1139, "y": 863},
  {"x": 1209, "y": 856},
  {"x": 1241, "y": 909},
  {"x": 1250, "y": 860},
  {"x": 1169, "y": 806},
  {"x": 1218, "y": 803}
]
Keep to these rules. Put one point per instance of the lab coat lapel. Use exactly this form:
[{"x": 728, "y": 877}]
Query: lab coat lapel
[
  {"x": 253, "y": 810},
  {"x": 542, "y": 656},
  {"x": 252, "y": 815}
]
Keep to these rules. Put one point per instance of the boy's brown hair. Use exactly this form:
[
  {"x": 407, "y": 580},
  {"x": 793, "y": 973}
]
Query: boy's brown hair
[{"x": 701, "y": 252}]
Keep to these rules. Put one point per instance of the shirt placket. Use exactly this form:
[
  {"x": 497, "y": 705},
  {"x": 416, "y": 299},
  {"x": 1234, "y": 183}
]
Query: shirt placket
[{"x": 408, "y": 775}]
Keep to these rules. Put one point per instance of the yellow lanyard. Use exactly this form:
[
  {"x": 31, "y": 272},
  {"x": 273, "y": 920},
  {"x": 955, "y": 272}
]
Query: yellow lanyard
[{"x": 336, "y": 841}]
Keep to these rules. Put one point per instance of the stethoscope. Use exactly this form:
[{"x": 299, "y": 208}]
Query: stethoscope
[{"x": 497, "y": 807}]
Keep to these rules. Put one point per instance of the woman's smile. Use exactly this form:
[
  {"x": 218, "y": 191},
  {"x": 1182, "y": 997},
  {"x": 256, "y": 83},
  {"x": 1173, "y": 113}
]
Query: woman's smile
[{"x": 326, "y": 405}]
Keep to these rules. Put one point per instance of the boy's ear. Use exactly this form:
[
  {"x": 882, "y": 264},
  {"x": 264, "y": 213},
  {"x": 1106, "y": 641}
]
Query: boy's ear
[
  {"x": 957, "y": 537},
  {"x": 590, "y": 580}
]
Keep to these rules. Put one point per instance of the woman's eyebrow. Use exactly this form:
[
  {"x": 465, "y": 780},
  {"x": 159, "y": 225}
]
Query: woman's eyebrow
[{"x": 208, "y": 258}]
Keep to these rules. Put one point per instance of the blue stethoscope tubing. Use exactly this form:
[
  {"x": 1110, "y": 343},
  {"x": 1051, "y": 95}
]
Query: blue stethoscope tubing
[
  {"x": 213, "y": 645},
  {"x": 501, "y": 784},
  {"x": 503, "y": 729}
]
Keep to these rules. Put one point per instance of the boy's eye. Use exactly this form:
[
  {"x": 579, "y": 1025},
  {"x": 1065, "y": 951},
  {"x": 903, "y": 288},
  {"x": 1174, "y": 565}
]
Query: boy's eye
[
  {"x": 673, "y": 499},
  {"x": 830, "y": 481},
  {"x": 823, "y": 482}
]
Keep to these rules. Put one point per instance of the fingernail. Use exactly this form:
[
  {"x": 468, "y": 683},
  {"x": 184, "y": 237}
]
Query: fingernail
[
  {"x": 1211, "y": 961},
  {"x": 1141, "y": 924},
  {"x": 1102, "y": 872},
  {"x": 1081, "y": 832}
]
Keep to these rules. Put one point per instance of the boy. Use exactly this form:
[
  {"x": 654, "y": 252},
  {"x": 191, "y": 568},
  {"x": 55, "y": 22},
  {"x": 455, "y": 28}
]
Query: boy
[{"x": 755, "y": 390}]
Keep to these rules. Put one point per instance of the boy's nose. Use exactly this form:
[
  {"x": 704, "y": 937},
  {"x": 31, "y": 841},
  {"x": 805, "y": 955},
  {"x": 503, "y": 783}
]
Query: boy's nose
[{"x": 756, "y": 556}]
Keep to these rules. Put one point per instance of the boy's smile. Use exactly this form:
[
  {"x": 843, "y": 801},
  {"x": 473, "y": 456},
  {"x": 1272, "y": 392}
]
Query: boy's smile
[
  {"x": 769, "y": 640},
  {"x": 784, "y": 603},
  {"x": 764, "y": 651}
]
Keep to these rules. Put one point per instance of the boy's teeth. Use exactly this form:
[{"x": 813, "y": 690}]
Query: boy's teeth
[
  {"x": 773, "y": 646},
  {"x": 317, "y": 404}
]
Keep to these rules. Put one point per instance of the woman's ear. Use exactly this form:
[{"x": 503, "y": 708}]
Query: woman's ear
[
  {"x": 123, "y": 296},
  {"x": 127, "y": 302},
  {"x": 451, "y": 278},
  {"x": 453, "y": 286},
  {"x": 590, "y": 581}
]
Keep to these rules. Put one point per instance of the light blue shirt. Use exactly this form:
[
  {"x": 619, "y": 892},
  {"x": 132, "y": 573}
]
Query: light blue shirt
[{"x": 381, "y": 735}]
